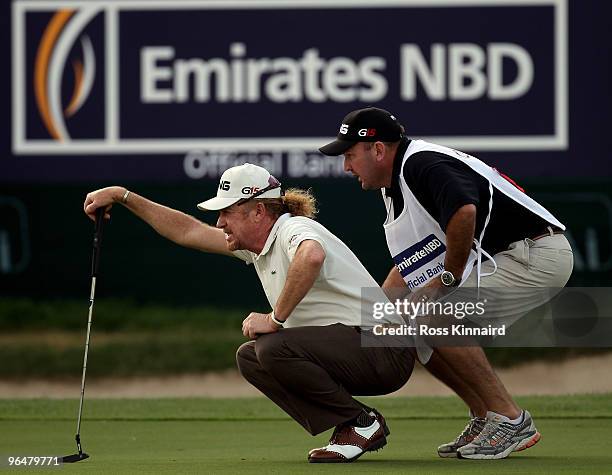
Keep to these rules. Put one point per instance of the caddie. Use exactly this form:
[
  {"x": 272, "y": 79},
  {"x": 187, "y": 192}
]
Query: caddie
[
  {"x": 453, "y": 220},
  {"x": 305, "y": 354}
]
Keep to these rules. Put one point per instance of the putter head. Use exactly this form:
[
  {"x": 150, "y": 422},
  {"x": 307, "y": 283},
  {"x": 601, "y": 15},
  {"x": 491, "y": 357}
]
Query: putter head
[{"x": 75, "y": 457}]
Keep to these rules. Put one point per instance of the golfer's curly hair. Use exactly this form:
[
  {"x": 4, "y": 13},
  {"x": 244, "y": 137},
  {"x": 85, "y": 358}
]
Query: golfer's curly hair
[{"x": 296, "y": 201}]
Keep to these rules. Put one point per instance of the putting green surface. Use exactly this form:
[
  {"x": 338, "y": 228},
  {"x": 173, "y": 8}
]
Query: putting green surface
[{"x": 253, "y": 436}]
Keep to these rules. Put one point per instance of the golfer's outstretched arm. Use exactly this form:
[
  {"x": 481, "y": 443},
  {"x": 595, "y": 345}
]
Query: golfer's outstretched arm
[{"x": 170, "y": 223}]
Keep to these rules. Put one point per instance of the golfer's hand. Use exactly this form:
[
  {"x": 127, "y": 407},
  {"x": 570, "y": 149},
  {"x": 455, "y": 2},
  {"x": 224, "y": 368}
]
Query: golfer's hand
[
  {"x": 104, "y": 197},
  {"x": 258, "y": 323}
]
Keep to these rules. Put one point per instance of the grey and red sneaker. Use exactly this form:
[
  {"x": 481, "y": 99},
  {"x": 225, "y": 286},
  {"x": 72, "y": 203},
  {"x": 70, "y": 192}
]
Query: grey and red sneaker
[
  {"x": 472, "y": 429},
  {"x": 349, "y": 442},
  {"x": 499, "y": 438}
]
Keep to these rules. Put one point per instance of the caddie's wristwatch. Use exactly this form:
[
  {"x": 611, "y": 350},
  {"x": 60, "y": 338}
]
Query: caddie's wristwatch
[
  {"x": 280, "y": 323},
  {"x": 448, "y": 279}
]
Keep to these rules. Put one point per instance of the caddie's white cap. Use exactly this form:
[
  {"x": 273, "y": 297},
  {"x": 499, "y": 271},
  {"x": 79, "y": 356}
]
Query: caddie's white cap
[{"x": 241, "y": 182}]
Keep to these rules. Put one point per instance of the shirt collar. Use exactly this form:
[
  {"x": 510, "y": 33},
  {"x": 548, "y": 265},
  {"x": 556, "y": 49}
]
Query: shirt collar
[
  {"x": 273, "y": 233},
  {"x": 397, "y": 167}
]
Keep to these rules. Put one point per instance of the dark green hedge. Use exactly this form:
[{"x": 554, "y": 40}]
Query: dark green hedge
[{"x": 46, "y": 339}]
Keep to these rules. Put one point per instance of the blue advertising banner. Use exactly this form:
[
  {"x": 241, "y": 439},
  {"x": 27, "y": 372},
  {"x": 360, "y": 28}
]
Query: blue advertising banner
[{"x": 172, "y": 91}]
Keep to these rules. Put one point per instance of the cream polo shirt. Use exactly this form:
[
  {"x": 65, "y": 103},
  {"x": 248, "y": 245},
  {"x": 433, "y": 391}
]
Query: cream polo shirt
[{"x": 335, "y": 296}]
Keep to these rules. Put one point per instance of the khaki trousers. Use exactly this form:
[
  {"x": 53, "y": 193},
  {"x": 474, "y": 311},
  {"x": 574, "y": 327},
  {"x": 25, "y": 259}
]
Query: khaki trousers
[
  {"x": 545, "y": 262},
  {"x": 529, "y": 273}
]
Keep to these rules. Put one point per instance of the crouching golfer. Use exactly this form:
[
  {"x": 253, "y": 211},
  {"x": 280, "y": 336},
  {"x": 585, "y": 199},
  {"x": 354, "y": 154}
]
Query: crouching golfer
[{"x": 306, "y": 354}]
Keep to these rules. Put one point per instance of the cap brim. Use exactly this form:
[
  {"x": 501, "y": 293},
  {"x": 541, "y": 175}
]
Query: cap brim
[
  {"x": 216, "y": 203},
  {"x": 337, "y": 147}
]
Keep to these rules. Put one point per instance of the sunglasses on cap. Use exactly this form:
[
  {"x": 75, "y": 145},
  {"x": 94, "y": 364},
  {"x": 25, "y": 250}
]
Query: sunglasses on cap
[{"x": 273, "y": 183}]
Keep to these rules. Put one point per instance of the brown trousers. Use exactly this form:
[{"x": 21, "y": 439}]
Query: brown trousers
[{"x": 312, "y": 372}]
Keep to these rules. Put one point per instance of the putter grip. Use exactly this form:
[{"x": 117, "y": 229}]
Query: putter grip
[{"x": 97, "y": 242}]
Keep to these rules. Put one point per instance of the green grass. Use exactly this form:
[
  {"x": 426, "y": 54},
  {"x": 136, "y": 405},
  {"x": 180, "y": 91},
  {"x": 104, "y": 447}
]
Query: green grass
[
  {"x": 254, "y": 436},
  {"x": 46, "y": 338},
  {"x": 119, "y": 354}
]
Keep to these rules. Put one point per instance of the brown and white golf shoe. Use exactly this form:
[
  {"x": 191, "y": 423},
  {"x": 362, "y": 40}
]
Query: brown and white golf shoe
[{"x": 348, "y": 443}]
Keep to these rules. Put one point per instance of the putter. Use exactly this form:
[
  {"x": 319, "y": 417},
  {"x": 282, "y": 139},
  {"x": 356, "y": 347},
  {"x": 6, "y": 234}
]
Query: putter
[{"x": 95, "y": 260}]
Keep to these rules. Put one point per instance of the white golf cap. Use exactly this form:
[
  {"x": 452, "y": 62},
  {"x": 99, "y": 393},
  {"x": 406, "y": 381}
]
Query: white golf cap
[{"x": 241, "y": 182}]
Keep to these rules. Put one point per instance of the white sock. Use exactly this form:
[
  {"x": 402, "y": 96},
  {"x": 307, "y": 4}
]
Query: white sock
[
  {"x": 502, "y": 418},
  {"x": 519, "y": 419}
]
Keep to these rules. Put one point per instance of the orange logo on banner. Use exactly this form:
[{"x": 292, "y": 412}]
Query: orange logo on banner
[{"x": 83, "y": 74}]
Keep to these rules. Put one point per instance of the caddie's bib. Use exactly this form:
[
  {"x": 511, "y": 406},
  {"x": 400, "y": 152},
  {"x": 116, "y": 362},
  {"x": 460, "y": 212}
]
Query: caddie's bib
[{"x": 416, "y": 240}]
